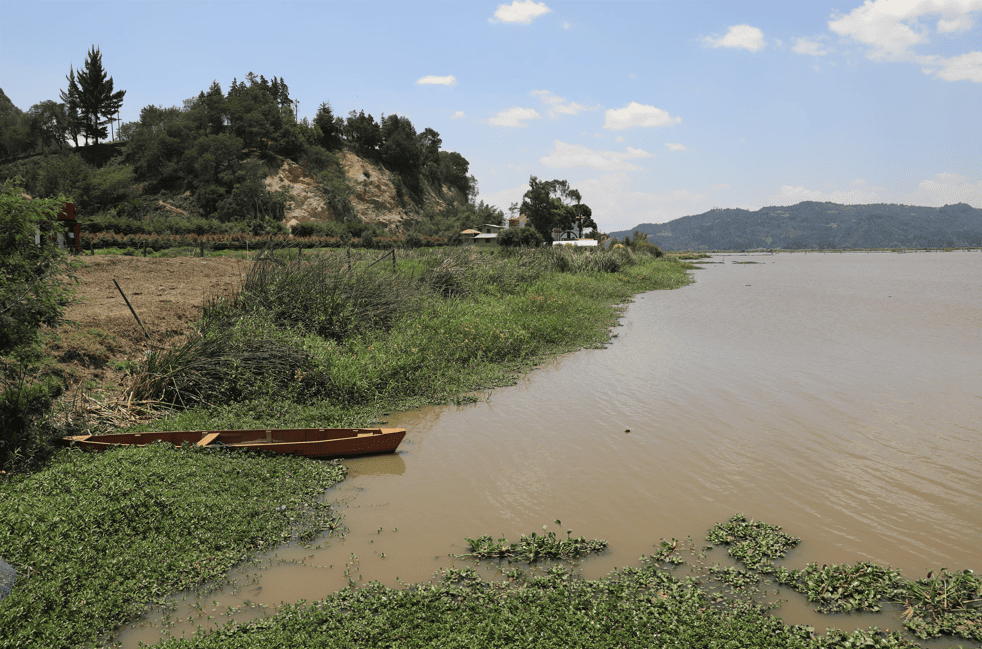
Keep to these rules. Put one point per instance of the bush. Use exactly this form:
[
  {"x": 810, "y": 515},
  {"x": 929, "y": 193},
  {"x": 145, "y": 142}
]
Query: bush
[{"x": 33, "y": 293}]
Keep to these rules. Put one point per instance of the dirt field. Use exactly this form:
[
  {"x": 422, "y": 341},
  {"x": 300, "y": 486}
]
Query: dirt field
[{"x": 96, "y": 350}]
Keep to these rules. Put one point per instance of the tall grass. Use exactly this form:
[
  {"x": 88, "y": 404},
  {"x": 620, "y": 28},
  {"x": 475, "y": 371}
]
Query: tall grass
[{"x": 325, "y": 335}]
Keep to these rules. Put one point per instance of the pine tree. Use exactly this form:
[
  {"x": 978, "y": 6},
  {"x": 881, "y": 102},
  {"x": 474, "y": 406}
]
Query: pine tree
[
  {"x": 73, "y": 107},
  {"x": 96, "y": 97}
]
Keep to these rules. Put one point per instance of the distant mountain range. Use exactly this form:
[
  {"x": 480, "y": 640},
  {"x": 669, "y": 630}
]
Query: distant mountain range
[{"x": 811, "y": 225}]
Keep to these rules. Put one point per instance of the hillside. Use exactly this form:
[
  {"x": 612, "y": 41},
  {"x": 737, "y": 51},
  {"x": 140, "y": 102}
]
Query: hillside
[
  {"x": 242, "y": 162},
  {"x": 812, "y": 225}
]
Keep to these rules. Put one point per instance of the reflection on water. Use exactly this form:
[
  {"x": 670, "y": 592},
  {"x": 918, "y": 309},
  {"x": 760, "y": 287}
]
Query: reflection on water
[{"x": 836, "y": 395}]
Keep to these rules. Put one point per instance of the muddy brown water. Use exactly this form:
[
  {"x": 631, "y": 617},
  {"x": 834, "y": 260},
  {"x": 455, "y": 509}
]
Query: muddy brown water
[{"x": 836, "y": 395}]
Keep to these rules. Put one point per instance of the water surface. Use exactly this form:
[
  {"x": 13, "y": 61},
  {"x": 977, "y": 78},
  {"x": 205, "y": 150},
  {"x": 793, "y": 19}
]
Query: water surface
[{"x": 836, "y": 395}]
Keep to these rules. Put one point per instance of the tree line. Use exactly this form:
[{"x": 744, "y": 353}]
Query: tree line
[{"x": 216, "y": 149}]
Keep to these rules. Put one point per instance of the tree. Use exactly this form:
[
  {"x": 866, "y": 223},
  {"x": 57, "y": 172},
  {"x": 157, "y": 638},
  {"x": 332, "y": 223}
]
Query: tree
[
  {"x": 363, "y": 133},
  {"x": 330, "y": 127},
  {"x": 584, "y": 218},
  {"x": 398, "y": 148},
  {"x": 429, "y": 144},
  {"x": 94, "y": 96},
  {"x": 524, "y": 237},
  {"x": 48, "y": 124},
  {"x": 73, "y": 106},
  {"x": 551, "y": 204}
]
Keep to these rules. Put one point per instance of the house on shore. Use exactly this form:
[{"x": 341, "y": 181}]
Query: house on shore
[{"x": 485, "y": 237}]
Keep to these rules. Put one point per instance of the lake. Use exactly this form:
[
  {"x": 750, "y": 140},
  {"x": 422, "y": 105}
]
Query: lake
[{"x": 836, "y": 395}]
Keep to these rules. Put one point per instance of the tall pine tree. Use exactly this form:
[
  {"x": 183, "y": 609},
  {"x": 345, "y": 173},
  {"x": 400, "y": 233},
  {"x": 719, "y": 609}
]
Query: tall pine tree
[
  {"x": 73, "y": 106},
  {"x": 96, "y": 100}
]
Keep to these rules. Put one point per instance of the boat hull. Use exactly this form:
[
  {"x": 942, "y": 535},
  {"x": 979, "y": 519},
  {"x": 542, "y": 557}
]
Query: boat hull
[{"x": 309, "y": 442}]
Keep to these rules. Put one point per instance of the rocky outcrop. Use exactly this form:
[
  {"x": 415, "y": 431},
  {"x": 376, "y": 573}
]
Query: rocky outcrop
[
  {"x": 374, "y": 194},
  {"x": 306, "y": 197}
]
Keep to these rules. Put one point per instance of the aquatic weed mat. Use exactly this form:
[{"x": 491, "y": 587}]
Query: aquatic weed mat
[
  {"x": 97, "y": 538},
  {"x": 643, "y": 607}
]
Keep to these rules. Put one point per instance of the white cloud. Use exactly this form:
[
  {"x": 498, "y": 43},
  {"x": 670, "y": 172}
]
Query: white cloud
[
  {"x": 891, "y": 29},
  {"x": 440, "y": 81},
  {"x": 675, "y": 146},
  {"x": 576, "y": 155},
  {"x": 556, "y": 104},
  {"x": 458, "y": 115},
  {"x": 961, "y": 23},
  {"x": 954, "y": 68},
  {"x": 739, "y": 36},
  {"x": 946, "y": 189},
  {"x": 514, "y": 117},
  {"x": 635, "y": 114},
  {"x": 861, "y": 192},
  {"x": 809, "y": 47},
  {"x": 619, "y": 139},
  {"x": 520, "y": 12},
  {"x": 565, "y": 25}
]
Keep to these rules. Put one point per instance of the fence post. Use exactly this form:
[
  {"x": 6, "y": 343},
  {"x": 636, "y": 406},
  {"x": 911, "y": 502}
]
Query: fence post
[
  {"x": 393, "y": 260},
  {"x": 349, "y": 259},
  {"x": 202, "y": 245}
]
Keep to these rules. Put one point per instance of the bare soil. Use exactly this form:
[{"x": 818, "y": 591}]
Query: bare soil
[{"x": 102, "y": 341}]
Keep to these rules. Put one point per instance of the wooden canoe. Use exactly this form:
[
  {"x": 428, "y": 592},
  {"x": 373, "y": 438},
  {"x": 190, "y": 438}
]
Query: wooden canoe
[{"x": 310, "y": 442}]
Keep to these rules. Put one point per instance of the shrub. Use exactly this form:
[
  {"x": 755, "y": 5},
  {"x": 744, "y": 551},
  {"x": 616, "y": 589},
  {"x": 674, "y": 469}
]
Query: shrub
[{"x": 33, "y": 292}]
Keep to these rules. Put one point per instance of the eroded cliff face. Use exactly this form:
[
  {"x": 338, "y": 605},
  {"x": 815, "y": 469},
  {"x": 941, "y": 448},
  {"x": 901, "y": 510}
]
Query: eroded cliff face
[{"x": 373, "y": 194}]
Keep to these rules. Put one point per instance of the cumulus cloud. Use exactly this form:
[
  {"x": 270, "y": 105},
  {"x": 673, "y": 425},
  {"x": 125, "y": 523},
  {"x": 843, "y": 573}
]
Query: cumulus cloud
[
  {"x": 514, "y": 117},
  {"x": 892, "y": 28},
  {"x": 635, "y": 114},
  {"x": 458, "y": 115},
  {"x": 961, "y": 23},
  {"x": 440, "y": 81},
  {"x": 520, "y": 12},
  {"x": 860, "y": 192},
  {"x": 566, "y": 155},
  {"x": 809, "y": 47},
  {"x": 675, "y": 146},
  {"x": 557, "y": 104},
  {"x": 739, "y": 36},
  {"x": 946, "y": 189},
  {"x": 954, "y": 68}
]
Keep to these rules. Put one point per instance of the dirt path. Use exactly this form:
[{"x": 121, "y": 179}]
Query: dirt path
[{"x": 167, "y": 294}]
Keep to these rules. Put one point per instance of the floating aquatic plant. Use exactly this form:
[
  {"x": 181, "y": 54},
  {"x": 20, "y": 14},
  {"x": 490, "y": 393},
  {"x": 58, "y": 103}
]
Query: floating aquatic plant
[{"x": 754, "y": 543}]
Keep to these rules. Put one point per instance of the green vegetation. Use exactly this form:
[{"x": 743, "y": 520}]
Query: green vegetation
[
  {"x": 88, "y": 100},
  {"x": 552, "y": 204},
  {"x": 644, "y": 606},
  {"x": 34, "y": 292},
  {"x": 753, "y": 543},
  {"x": 532, "y": 548},
  {"x": 97, "y": 538},
  {"x": 206, "y": 160},
  {"x": 339, "y": 345}
]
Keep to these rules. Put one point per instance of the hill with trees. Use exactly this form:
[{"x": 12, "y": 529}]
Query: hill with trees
[
  {"x": 820, "y": 226},
  {"x": 237, "y": 161}
]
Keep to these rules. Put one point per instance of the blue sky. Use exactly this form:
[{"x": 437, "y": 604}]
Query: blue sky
[{"x": 652, "y": 109}]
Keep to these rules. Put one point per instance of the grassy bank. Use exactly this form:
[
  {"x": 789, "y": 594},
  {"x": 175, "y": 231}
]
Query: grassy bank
[{"x": 324, "y": 341}]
